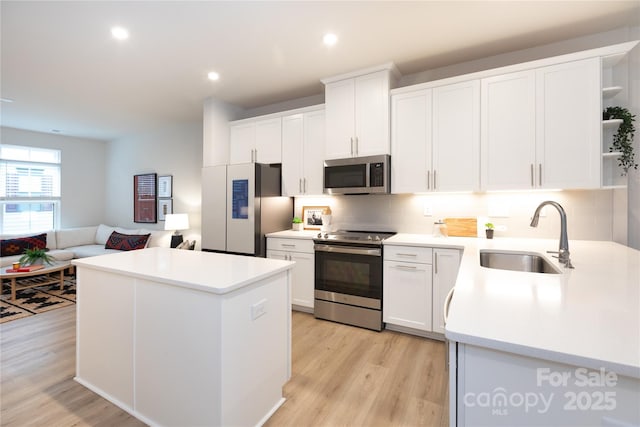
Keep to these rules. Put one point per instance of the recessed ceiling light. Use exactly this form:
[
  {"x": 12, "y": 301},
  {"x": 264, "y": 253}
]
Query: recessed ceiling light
[
  {"x": 56, "y": 130},
  {"x": 330, "y": 39},
  {"x": 213, "y": 76},
  {"x": 6, "y": 100},
  {"x": 119, "y": 33}
]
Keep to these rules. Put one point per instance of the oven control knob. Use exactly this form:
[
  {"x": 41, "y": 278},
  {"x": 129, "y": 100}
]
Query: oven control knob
[
  {"x": 326, "y": 235},
  {"x": 319, "y": 235},
  {"x": 369, "y": 237},
  {"x": 378, "y": 238}
]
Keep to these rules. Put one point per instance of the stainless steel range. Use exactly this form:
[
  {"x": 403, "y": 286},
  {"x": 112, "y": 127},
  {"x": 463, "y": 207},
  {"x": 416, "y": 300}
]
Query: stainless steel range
[{"x": 348, "y": 282}]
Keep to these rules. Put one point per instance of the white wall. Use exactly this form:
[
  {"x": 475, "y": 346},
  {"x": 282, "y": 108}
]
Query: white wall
[
  {"x": 589, "y": 214},
  {"x": 83, "y": 173},
  {"x": 170, "y": 150}
]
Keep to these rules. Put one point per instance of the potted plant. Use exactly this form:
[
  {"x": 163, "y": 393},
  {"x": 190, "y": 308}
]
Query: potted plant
[
  {"x": 623, "y": 139},
  {"x": 296, "y": 224},
  {"x": 35, "y": 256},
  {"x": 489, "y": 228}
]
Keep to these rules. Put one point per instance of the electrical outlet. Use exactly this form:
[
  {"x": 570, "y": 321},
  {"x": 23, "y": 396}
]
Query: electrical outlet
[
  {"x": 427, "y": 210},
  {"x": 258, "y": 309},
  {"x": 501, "y": 228}
]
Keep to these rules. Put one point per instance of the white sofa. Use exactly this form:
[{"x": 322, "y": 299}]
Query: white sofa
[{"x": 69, "y": 243}]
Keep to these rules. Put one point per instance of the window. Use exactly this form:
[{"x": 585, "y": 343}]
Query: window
[{"x": 29, "y": 189}]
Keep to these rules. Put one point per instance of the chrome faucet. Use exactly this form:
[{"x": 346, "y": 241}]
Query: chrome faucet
[{"x": 563, "y": 250}]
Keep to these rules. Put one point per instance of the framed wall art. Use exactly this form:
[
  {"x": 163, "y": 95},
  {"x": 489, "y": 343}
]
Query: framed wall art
[
  {"x": 145, "y": 198},
  {"x": 312, "y": 217},
  {"x": 165, "y": 206},
  {"x": 165, "y": 186}
]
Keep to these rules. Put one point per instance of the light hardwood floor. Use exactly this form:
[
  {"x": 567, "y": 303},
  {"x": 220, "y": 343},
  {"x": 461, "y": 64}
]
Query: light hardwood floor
[{"x": 341, "y": 376}]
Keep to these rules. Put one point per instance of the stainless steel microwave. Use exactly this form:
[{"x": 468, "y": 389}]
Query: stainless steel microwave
[{"x": 358, "y": 175}]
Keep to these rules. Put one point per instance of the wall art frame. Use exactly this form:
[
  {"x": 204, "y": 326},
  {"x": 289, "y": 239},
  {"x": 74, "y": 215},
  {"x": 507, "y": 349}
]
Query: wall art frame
[
  {"x": 165, "y": 206},
  {"x": 312, "y": 217},
  {"x": 145, "y": 198},
  {"x": 165, "y": 186}
]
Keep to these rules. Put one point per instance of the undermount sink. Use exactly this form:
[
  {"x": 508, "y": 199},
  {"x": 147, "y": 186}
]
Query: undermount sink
[{"x": 517, "y": 261}]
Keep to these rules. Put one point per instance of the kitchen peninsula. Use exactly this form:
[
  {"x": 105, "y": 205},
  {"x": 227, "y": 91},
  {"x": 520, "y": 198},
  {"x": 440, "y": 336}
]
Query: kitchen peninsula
[
  {"x": 173, "y": 336},
  {"x": 510, "y": 332}
]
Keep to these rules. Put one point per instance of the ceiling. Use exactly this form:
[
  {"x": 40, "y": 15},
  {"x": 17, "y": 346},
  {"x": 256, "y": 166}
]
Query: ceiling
[{"x": 64, "y": 71}]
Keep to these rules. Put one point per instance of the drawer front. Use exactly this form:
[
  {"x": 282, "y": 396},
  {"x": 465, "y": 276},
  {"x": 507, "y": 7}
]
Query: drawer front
[
  {"x": 408, "y": 254},
  {"x": 292, "y": 245}
]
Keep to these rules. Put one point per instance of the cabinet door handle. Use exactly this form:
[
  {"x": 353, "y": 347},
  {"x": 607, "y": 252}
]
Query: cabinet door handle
[
  {"x": 428, "y": 180},
  {"x": 356, "y": 145},
  {"x": 411, "y": 255},
  {"x": 435, "y": 264},
  {"x": 304, "y": 186},
  {"x": 540, "y": 174},
  {"x": 288, "y": 245},
  {"x": 434, "y": 179},
  {"x": 300, "y": 185},
  {"x": 447, "y": 303},
  {"x": 405, "y": 267},
  {"x": 532, "y": 174},
  {"x": 352, "y": 146}
]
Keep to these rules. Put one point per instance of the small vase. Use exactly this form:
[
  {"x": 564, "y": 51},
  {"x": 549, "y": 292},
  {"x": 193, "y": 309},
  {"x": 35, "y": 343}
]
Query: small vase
[
  {"x": 489, "y": 233},
  {"x": 297, "y": 226}
]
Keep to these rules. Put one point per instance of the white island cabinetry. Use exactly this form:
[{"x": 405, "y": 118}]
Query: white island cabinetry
[{"x": 171, "y": 336}]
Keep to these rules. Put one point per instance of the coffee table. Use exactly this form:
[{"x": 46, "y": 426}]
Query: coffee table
[{"x": 44, "y": 276}]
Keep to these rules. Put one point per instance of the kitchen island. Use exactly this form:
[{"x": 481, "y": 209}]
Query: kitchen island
[
  {"x": 185, "y": 337},
  {"x": 516, "y": 335}
]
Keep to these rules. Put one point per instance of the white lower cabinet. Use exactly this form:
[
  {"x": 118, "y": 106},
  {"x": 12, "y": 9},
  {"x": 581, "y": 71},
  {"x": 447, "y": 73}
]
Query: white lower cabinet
[
  {"x": 445, "y": 271},
  {"x": 496, "y": 388},
  {"x": 303, "y": 274},
  {"x": 407, "y": 294},
  {"x": 416, "y": 282}
]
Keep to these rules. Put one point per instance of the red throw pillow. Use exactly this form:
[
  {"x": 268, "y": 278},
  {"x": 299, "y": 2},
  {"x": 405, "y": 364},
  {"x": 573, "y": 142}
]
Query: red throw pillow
[
  {"x": 17, "y": 246},
  {"x": 126, "y": 242}
]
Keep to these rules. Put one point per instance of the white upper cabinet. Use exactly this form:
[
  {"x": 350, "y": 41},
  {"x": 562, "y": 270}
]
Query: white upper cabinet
[
  {"x": 508, "y": 131},
  {"x": 540, "y": 128},
  {"x": 568, "y": 121},
  {"x": 303, "y": 138},
  {"x": 435, "y": 139},
  {"x": 357, "y": 115},
  {"x": 411, "y": 141},
  {"x": 456, "y": 137},
  {"x": 257, "y": 141}
]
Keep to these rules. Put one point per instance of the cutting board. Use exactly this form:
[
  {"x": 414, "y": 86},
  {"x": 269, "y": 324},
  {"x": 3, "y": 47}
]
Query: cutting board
[{"x": 462, "y": 227}]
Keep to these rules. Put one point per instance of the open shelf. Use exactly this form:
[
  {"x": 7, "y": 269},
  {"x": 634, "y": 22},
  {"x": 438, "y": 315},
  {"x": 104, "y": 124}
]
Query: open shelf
[
  {"x": 611, "y": 91},
  {"x": 612, "y": 154},
  {"x": 611, "y": 122}
]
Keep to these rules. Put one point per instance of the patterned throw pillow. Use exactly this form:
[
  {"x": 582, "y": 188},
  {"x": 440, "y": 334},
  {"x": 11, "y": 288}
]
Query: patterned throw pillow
[
  {"x": 126, "y": 242},
  {"x": 17, "y": 246}
]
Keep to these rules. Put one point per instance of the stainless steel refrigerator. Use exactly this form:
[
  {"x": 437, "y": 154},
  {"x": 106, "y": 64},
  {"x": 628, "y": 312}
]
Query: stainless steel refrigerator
[{"x": 240, "y": 204}]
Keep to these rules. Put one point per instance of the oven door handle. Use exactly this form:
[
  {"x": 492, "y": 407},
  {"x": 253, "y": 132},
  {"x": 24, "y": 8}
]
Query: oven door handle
[{"x": 348, "y": 250}]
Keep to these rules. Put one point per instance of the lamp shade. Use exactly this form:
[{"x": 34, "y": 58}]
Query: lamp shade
[{"x": 176, "y": 222}]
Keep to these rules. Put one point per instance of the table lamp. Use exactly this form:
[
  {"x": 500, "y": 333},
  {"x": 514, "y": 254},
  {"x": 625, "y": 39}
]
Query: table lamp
[{"x": 176, "y": 222}]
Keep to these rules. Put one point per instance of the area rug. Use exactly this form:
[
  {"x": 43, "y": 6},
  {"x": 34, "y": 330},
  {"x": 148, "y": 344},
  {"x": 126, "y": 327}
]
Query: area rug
[{"x": 36, "y": 300}]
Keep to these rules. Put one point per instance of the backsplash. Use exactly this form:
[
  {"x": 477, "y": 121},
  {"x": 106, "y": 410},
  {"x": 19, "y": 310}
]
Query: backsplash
[{"x": 590, "y": 214}]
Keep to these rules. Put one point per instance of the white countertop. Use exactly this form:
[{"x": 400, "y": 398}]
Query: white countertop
[
  {"x": 588, "y": 316},
  {"x": 206, "y": 271},
  {"x": 291, "y": 234}
]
